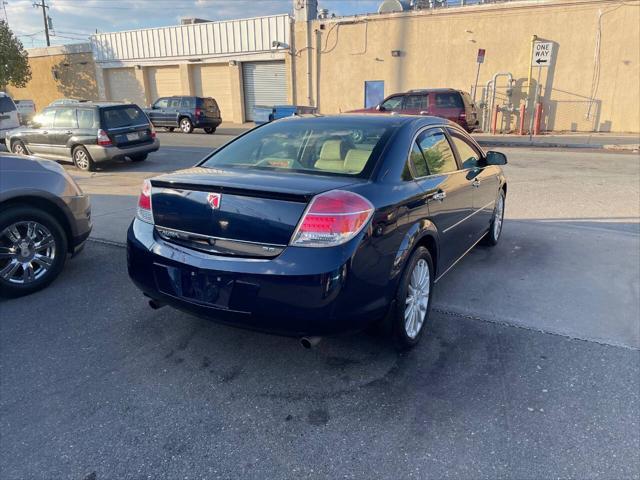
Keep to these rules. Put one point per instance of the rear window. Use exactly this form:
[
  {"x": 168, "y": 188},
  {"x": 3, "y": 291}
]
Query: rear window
[
  {"x": 209, "y": 104},
  {"x": 304, "y": 145},
  {"x": 188, "y": 102},
  {"x": 125, "y": 116},
  {"x": 449, "y": 100},
  {"x": 6, "y": 105}
]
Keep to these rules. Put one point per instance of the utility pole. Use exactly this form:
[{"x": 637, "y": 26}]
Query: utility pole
[{"x": 46, "y": 20}]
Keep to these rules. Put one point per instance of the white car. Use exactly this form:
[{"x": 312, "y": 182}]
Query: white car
[
  {"x": 8, "y": 115},
  {"x": 26, "y": 110}
]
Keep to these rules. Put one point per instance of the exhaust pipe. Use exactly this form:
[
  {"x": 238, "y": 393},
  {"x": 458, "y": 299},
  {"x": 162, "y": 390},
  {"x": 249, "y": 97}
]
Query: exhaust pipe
[
  {"x": 155, "y": 304},
  {"x": 310, "y": 342}
]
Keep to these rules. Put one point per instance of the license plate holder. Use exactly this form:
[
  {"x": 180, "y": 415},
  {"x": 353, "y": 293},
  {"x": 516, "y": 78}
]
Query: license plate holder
[{"x": 133, "y": 136}]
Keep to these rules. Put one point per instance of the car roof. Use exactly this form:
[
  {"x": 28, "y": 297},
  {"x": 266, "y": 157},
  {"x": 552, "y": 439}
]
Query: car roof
[
  {"x": 434, "y": 90},
  {"x": 91, "y": 104},
  {"x": 374, "y": 119}
]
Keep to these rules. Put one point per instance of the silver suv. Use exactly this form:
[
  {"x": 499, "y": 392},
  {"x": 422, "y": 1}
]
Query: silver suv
[{"x": 87, "y": 133}]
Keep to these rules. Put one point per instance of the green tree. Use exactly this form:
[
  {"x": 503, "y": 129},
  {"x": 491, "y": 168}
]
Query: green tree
[{"x": 14, "y": 60}]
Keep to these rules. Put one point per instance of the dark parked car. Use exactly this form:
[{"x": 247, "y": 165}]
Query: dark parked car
[
  {"x": 185, "y": 113},
  {"x": 454, "y": 105},
  {"x": 87, "y": 133},
  {"x": 43, "y": 217},
  {"x": 313, "y": 226}
]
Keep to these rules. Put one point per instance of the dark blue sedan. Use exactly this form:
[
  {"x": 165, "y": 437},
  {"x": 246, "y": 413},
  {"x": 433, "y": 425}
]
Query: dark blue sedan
[{"x": 316, "y": 226}]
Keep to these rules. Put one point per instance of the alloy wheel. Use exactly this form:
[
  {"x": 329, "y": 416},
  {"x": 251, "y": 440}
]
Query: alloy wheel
[
  {"x": 27, "y": 252},
  {"x": 185, "y": 125},
  {"x": 19, "y": 149},
  {"x": 81, "y": 159},
  {"x": 417, "y": 300},
  {"x": 498, "y": 217}
]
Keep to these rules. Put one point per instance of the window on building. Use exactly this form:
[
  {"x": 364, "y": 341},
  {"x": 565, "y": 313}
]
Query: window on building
[{"x": 437, "y": 152}]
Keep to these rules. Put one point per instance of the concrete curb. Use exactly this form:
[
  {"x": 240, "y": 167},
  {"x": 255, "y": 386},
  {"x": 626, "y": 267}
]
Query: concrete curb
[{"x": 525, "y": 144}]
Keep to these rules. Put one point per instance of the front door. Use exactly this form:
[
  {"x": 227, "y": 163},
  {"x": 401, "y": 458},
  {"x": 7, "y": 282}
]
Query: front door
[
  {"x": 157, "y": 111},
  {"x": 449, "y": 196},
  {"x": 36, "y": 139},
  {"x": 171, "y": 112},
  {"x": 484, "y": 180}
]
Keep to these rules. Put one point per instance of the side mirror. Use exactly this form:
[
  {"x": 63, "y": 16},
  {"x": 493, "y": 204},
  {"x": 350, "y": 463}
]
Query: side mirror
[
  {"x": 380, "y": 108},
  {"x": 496, "y": 158}
]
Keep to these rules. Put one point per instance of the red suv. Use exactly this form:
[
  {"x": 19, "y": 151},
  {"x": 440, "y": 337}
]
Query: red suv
[{"x": 454, "y": 105}]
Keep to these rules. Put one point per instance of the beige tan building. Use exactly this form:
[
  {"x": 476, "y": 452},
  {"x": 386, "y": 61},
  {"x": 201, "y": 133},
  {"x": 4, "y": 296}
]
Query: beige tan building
[
  {"x": 592, "y": 84},
  {"x": 66, "y": 71}
]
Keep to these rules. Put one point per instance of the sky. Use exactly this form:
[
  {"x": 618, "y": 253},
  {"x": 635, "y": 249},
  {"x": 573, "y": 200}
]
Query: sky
[{"x": 75, "y": 20}]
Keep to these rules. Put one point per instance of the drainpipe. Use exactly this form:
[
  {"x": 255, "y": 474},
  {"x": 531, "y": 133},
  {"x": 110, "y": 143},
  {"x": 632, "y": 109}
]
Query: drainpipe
[{"x": 309, "y": 65}]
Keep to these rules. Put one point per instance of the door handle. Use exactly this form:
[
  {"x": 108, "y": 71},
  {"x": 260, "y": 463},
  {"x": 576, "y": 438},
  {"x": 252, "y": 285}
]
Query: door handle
[
  {"x": 45, "y": 133},
  {"x": 68, "y": 132},
  {"x": 439, "y": 196}
]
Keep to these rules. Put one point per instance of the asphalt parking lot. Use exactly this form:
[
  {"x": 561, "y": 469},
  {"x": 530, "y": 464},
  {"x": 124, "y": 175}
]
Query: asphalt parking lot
[{"x": 531, "y": 369}]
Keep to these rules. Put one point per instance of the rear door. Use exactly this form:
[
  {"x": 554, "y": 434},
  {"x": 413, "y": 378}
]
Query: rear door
[
  {"x": 210, "y": 109},
  {"x": 170, "y": 116},
  {"x": 126, "y": 125},
  {"x": 449, "y": 196},
  {"x": 64, "y": 125},
  {"x": 447, "y": 105},
  {"x": 416, "y": 104}
]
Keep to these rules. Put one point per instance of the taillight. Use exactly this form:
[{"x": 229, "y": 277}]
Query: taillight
[
  {"x": 331, "y": 219},
  {"x": 198, "y": 111},
  {"x": 103, "y": 138},
  {"x": 462, "y": 116},
  {"x": 152, "y": 131},
  {"x": 144, "y": 211}
]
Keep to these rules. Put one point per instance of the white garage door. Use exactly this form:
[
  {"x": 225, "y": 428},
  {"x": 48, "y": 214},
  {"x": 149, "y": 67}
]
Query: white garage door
[
  {"x": 123, "y": 86},
  {"x": 163, "y": 82},
  {"x": 214, "y": 81},
  {"x": 265, "y": 83}
]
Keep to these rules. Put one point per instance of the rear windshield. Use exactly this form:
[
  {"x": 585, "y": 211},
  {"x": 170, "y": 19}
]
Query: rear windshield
[
  {"x": 123, "y": 116},
  {"x": 6, "y": 105},
  {"x": 449, "y": 100},
  {"x": 305, "y": 145},
  {"x": 209, "y": 104}
]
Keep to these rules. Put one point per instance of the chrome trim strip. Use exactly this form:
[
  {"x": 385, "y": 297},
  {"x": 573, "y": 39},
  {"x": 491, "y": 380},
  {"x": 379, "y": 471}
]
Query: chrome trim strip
[
  {"x": 468, "y": 217},
  {"x": 459, "y": 258},
  {"x": 130, "y": 126},
  {"x": 208, "y": 237}
]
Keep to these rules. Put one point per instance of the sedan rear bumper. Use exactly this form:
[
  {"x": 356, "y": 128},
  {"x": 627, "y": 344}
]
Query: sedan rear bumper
[{"x": 303, "y": 291}]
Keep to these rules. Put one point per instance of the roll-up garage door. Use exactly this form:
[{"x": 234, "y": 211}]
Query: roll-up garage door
[
  {"x": 214, "y": 81},
  {"x": 163, "y": 82},
  {"x": 265, "y": 83},
  {"x": 123, "y": 86}
]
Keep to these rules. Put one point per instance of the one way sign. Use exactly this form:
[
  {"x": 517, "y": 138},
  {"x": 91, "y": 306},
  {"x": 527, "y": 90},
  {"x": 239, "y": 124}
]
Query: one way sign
[{"x": 542, "y": 54}]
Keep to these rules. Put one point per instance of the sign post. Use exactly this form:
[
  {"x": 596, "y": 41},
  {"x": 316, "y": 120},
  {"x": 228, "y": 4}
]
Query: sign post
[{"x": 479, "y": 61}]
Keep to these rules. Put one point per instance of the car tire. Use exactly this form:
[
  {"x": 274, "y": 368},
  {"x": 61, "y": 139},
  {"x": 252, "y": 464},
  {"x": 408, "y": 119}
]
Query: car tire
[
  {"x": 82, "y": 159},
  {"x": 492, "y": 237},
  {"x": 18, "y": 148},
  {"x": 139, "y": 158},
  {"x": 209, "y": 130},
  {"x": 410, "y": 313},
  {"x": 186, "y": 125},
  {"x": 170, "y": 129},
  {"x": 45, "y": 264}
]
